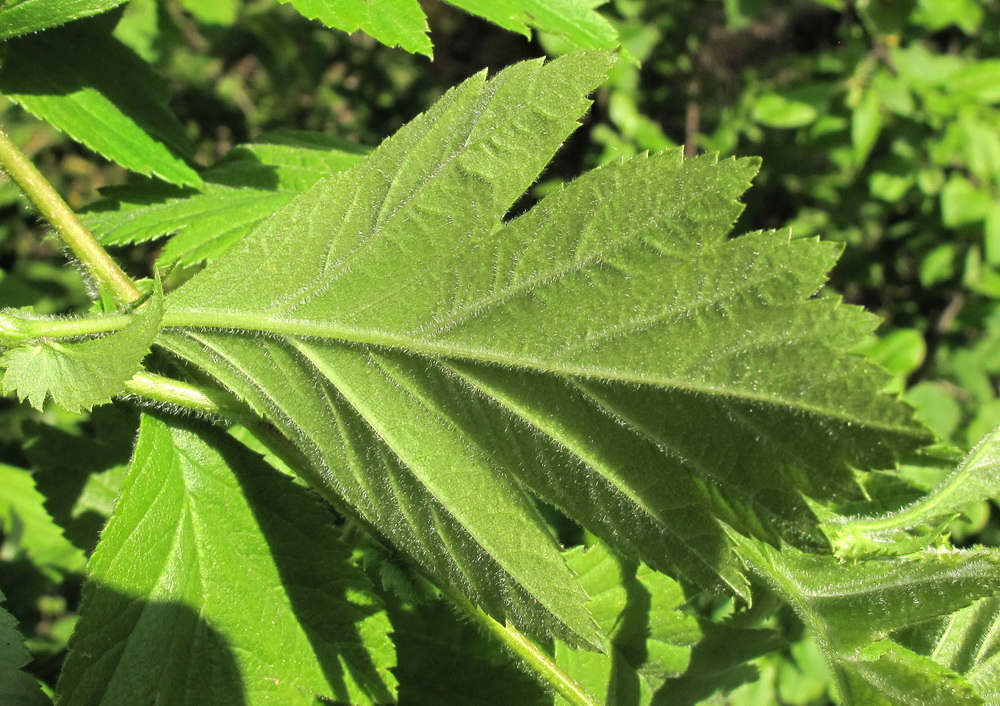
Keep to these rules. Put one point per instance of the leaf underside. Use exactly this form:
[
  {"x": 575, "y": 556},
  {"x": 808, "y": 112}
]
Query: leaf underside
[{"x": 611, "y": 351}]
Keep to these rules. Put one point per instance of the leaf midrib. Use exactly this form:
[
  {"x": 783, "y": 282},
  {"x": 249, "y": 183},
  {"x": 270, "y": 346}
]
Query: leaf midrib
[{"x": 238, "y": 322}]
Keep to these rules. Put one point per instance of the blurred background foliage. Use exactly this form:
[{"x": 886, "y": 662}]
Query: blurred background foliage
[{"x": 878, "y": 122}]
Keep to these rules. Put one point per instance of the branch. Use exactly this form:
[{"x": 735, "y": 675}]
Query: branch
[{"x": 109, "y": 276}]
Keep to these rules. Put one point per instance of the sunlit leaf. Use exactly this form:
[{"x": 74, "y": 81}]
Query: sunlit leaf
[
  {"x": 612, "y": 351},
  {"x": 27, "y": 16}
]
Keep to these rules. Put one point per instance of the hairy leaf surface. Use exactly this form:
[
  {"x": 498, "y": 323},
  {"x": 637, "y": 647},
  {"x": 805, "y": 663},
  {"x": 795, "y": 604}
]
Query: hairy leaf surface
[
  {"x": 855, "y": 611},
  {"x": 247, "y": 186},
  {"x": 977, "y": 478},
  {"x": 99, "y": 92},
  {"x": 218, "y": 580},
  {"x": 80, "y": 375},
  {"x": 612, "y": 351}
]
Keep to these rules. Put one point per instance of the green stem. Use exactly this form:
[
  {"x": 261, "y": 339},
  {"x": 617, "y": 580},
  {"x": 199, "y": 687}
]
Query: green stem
[
  {"x": 157, "y": 388},
  {"x": 537, "y": 659},
  {"x": 109, "y": 277}
]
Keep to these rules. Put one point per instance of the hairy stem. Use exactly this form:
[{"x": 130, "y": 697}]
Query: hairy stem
[
  {"x": 109, "y": 276},
  {"x": 164, "y": 390},
  {"x": 537, "y": 659}
]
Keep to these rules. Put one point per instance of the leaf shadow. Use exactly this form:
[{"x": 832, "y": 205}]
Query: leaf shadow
[
  {"x": 318, "y": 588},
  {"x": 164, "y": 639}
]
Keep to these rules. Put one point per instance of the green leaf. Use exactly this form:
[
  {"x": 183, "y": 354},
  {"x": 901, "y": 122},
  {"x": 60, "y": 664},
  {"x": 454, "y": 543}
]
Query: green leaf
[
  {"x": 219, "y": 580},
  {"x": 392, "y": 22},
  {"x": 967, "y": 642},
  {"x": 576, "y": 21},
  {"x": 866, "y": 125},
  {"x": 80, "y": 473},
  {"x": 402, "y": 22},
  {"x": 80, "y": 375},
  {"x": 776, "y": 110},
  {"x": 895, "y": 675},
  {"x": 976, "y": 479},
  {"x": 446, "y": 660},
  {"x": 854, "y": 608},
  {"x": 16, "y": 687},
  {"x": 612, "y": 350},
  {"x": 963, "y": 203},
  {"x": 27, "y": 16},
  {"x": 24, "y": 520},
  {"x": 247, "y": 186},
  {"x": 98, "y": 91},
  {"x": 638, "y": 609},
  {"x": 219, "y": 12}
]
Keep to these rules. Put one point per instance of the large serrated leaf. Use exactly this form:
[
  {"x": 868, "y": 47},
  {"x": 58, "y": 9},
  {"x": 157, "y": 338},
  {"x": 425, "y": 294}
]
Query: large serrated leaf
[
  {"x": 78, "y": 376},
  {"x": 98, "y": 91},
  {"x": 27, "y": 16},
  {"x": 612, "y": 351},
  {"x": 218, "y": 580}
]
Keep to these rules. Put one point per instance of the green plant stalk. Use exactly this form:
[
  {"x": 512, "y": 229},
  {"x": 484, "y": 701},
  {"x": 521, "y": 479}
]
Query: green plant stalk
[
  {"x": 539, "y": 661},
  {"x": 164, "y": 390},
  {"x": 109, "y": 276}
]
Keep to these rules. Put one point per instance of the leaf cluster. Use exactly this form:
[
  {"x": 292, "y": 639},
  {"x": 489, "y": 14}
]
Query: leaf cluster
[{"x": 417, "y": 390}]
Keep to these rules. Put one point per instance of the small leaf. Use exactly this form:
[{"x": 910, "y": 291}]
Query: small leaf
[
  {"x": 31, "y": 16},
  {"x": 16, "y": 687},
  {"x": 218, "y": 580},
  {"x": 391, "y": 22},
  {"x": 94, "y": 88},
  {"x": 776, "y": 110},
  {"x": 24, "y": 520},
  {"x": 219, "y": 12},
  {"x": 866, "y": 125},
  {"x": 80, "y": 375},
  {"x": 638, "y": 609}
]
